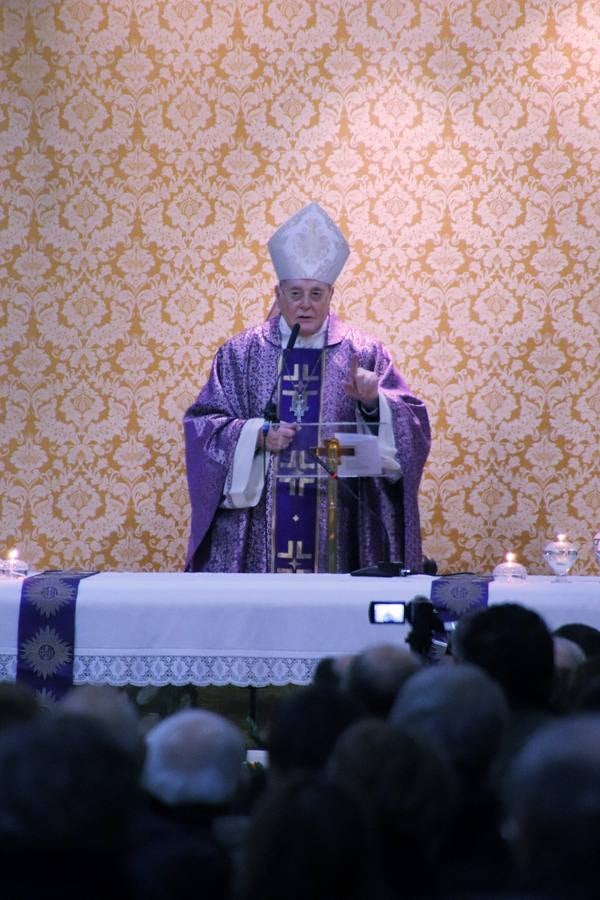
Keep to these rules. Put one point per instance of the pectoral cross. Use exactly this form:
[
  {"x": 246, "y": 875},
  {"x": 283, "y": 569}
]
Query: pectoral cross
[
  {"x": 299, "y": 402},
  {"x": 299, "y": 391}
]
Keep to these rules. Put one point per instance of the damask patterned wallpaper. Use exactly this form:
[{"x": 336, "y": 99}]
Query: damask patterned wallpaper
[{"x": 148, "y": 150}]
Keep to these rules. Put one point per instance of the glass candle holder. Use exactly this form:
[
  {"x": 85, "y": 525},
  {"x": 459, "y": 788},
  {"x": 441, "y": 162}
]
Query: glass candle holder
[
  {"x": 560, "y": 556},
  {"x": 510, "y": 570},
  {"x": 14, "y": 565}
]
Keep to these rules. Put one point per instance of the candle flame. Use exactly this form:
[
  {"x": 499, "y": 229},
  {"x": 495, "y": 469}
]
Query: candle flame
[
  {"x": 510, "y": 557},
  {"x": 12, "y": 554},
  {"x": 562, "y": 538}
]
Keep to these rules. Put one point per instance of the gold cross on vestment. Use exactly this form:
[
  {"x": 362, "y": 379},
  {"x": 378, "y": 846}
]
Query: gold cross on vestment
[
  {"x": 295, "y": 375},
  {"x": 295, "y": 460},
  {"x": 295, "y": 555},
  {"x": 297, "y": 485}
]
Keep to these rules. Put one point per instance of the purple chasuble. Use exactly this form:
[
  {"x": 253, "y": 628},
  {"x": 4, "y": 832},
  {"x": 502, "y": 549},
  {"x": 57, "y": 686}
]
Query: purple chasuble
[{"x": 384, "y": 524}]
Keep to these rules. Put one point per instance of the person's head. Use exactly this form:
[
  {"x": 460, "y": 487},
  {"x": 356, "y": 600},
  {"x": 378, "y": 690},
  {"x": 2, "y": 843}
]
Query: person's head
[
  {"x": 309, "y": 840},
  {"x": 18, "y": 703},
  {"x": 304, "y": 301},
  {"x": 305, "y": 726},
  {"x": 514, "y": 646},
  {"x": 193, "y": 757},
  {"x": 409, "y": 789},
  {"x": 375, "y": 676},
  {"x": 65, "y": 782},
  {"x": 568, "y": 657},
  {"x": 586, "y": 686},
  {"x": 330, "y": 672},
  {"x": 552, "y": 798},
  {"x": 586, "y": 636},
  {"x": 308, "y": 252},
  {"x": 113, "y": 709},
  {"x": 461, "y": 709},
  {"x": 567, "y": 654}
]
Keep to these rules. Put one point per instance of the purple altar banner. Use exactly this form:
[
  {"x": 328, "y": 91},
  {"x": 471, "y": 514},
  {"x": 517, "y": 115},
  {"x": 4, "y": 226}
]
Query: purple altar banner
[
  {"x": 46, "y": 632},
  {"x": 455, "y": 595}
]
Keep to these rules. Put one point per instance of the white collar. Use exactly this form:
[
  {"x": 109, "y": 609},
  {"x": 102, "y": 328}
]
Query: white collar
[{"x": 316, "y": 340}]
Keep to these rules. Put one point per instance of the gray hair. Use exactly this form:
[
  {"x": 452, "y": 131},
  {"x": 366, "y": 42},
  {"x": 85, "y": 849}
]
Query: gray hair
[
  {"x": 375, "y": 675},
  {"x": 193, "y": 756},
  {"x": 113, "y": 709},
  {"x": 460, "y": 707},
  {"x": 567, "y": 654},
  {"x": 552, "y": 799}
]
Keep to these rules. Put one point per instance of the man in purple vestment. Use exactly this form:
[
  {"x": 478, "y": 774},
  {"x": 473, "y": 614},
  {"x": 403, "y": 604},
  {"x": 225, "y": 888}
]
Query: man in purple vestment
[{"x": 244, "y": 519}]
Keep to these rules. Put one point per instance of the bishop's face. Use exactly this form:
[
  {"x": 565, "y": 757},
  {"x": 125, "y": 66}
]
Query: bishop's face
[{"x": 304, "y": 301}]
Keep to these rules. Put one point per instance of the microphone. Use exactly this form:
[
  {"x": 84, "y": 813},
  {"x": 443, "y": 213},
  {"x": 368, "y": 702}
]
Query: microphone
[
  {"x": 270, "y": 410},
  {"x": 293, "y": 336}
]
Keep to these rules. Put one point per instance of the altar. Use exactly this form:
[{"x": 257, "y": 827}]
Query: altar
[{"x": 250, "y": 630}]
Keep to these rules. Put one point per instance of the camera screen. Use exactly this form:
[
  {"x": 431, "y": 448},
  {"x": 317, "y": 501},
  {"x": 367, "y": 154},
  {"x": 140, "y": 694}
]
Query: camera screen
[{"x": 387, "y": 613}]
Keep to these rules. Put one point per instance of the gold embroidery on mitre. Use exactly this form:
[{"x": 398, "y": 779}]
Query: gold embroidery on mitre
[{"x": 312, "y": 244}]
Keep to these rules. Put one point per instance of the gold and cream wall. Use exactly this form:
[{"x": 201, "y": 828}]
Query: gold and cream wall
[{"x": 149, "y": 148}]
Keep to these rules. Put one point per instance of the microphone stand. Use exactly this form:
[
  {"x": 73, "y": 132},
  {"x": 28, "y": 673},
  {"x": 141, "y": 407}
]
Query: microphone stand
[
  {"x": 271, "y": 418},
  {"x": 270, "y": 410},
  {"x": 381, "y": 569}
]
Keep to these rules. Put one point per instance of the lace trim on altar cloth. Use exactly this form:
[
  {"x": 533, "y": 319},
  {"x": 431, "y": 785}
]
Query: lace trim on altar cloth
[{"x": 241, "y": 671}]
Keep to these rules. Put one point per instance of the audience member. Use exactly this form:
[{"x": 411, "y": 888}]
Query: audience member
[
  {"x": 586, "y": 636},
  {"x": 305, "y": 726},
  {"x": 586, "y": 687},
  {"x": 18, "y": 704},
  {"x": 114, "y": 710},
  {"x": 375, "y": 676},
  {"x": 464, "y": 712},
  {"x": 194, "y": 759},
  {"x": 461, "y": 709},
  {"x": 553, "y": 808},
  {"x": 568, "y": 657},
  {"x": 68, "y": 794},
  {"x": 330, "y": 671},
  {"x": 514, "y": 646},
  {"x": 192, "y": 770},
  {"x": 180, "y": 864},
  {"x": 309, "y": 841},
  {"x": 409, "y": 790}
]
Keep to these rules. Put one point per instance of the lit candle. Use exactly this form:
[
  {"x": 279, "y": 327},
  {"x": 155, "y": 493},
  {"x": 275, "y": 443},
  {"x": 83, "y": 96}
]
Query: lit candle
[
  {"x": 509, "y": 569},
  {"x": 12, "y": 559}
]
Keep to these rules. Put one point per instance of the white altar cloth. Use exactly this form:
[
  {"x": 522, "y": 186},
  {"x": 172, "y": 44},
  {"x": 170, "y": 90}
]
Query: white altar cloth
[{"x": 246, "y": 629}]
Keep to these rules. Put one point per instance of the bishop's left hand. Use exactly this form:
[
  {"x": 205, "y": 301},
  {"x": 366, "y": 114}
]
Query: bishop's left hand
[{"x": 362, "y": 385}]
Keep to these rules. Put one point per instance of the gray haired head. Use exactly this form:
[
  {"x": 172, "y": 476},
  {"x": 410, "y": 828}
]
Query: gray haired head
[
  {"x": 459, "y": 707},
  {"x": 193, "y": 756},
  {"x": 552, "y": 800}
]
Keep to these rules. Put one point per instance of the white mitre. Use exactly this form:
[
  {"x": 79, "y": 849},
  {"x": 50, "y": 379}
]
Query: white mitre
[{"x": 309, "y": 245}]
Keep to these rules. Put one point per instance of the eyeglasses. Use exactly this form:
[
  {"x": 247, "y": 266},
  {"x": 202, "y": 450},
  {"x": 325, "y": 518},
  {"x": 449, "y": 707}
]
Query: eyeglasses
[{"x": 296, "y": 294}]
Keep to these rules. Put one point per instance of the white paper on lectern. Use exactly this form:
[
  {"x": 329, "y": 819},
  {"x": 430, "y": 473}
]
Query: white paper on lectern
[{"x": 366, "y": 460}]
